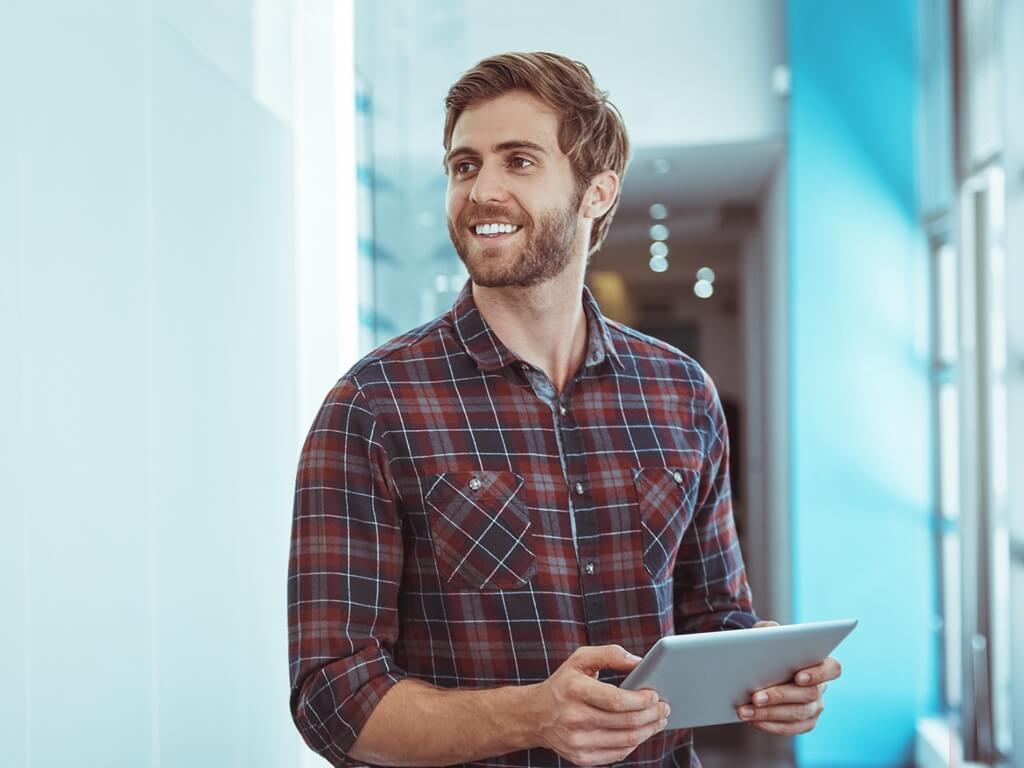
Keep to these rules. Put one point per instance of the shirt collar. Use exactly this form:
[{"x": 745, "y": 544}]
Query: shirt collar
[{"x": 490, "y": 354}]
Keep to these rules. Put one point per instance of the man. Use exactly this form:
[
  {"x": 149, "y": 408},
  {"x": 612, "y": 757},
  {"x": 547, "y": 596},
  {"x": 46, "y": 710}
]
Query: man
[{"x": 492, "y": 510}]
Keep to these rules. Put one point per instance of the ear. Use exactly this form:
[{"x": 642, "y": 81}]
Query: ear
[{"x": 600, "y": 195}]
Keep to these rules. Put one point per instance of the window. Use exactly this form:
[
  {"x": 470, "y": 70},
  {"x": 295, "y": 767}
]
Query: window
[
  {"x": 983, "y": 472},
  {"x": 945, "y": 353}
]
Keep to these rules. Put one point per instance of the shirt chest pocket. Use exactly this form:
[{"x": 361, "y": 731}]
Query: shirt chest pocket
[
  {"x": 479, "y": 529},
  {"x": 666, "y": 497}
]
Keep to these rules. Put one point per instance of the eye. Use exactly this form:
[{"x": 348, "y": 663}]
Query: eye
[
  {"x": 518, "y": 158},
  {"x": 463, "y": 167}
]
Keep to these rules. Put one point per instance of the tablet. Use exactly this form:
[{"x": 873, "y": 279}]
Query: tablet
[{"x": 705, "y": 677}]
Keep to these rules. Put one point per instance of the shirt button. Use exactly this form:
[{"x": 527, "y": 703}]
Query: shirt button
[
  {"x": 678, "y": 477},
  {"x": 474, "y": 484},
  {"x": 589, "y": 568},
  {"x": 563, "y": 410},
  {"x": 579, "y": 488}
]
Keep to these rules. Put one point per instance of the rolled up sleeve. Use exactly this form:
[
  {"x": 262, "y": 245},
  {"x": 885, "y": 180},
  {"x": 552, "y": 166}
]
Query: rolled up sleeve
[
  {"x": 710, "y": 586},
  {"x": 344, "y": 573}
]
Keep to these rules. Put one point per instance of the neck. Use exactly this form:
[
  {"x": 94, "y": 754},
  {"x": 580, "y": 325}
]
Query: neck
[{"x": 545, "y": 324}]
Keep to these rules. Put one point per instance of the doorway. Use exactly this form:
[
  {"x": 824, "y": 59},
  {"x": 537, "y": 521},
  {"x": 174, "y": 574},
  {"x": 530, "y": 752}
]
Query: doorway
[{"x": 697, "y": 258}]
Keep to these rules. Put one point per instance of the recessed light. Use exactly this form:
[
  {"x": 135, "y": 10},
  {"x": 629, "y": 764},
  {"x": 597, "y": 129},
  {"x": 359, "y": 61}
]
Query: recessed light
[
  {"x": 706, "y": 273},
  {"x": 659, "y": 232},
  {"x": 658, "y": 248},
  {"x": 703, "y": 289},
  {"x": 781, "y": 80},
  {"x": 659, "y": 212},
  {"x": 658, "y": 263}
]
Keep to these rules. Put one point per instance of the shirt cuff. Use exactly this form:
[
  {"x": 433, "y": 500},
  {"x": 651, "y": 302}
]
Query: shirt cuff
[{"x": 336, "y": 702}]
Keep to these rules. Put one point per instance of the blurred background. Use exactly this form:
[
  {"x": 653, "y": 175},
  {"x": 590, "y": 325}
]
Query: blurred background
[{"x": 209, "y": 210}]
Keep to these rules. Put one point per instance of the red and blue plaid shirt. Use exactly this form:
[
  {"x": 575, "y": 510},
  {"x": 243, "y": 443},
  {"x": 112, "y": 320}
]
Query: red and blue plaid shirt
[{"x": 458, "y": 521}]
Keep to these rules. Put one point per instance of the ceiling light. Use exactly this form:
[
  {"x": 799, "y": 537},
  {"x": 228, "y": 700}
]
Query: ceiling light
[
  {"x": 781, "y": 80},
  {"x": 661, "y": 165},
  {"x": 659, "y": 249},
  {"x": 659, "y": 232},
  {"x": 706, "y": 273},
  {"x": 703, "y": 289},
  {"x": 658, "y": 212},
  {"x": 658, "y": 263}
]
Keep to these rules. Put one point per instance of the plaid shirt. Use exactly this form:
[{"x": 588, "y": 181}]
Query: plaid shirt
[{"x": 458, "y": 521}]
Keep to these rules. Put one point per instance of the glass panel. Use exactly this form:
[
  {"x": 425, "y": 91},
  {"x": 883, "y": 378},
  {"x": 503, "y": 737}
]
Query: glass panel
[
  {"x": 947, "y": 307},
  {"x": 1001, "y": 673},
  {"x": 948, "y": 455},
  {"x": 949, "y": 452},
  {"x": 951, "y": 615},
  {"x": 997, "y": 416},
  {"x": 981, "y": 81}
]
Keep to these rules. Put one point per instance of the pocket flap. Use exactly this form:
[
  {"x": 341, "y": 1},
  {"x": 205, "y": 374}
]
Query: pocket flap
[
  {"x": 666, "y": 496},
  {"x": 479, "y": 526}
]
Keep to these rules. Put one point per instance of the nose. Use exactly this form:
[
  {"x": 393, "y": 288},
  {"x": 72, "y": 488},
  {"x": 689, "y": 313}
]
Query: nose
[{"x": 488, "y": 186}]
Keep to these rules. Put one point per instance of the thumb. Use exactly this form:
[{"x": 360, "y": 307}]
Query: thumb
[
  {"x": 592, "y": 658},
  {"x": 761, "y": 624}
]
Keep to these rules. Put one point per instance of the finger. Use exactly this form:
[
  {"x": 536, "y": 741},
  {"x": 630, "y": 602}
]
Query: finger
[
  {"x": 593, "y": 658},
  {"x": 829, "y": 669},
  {"x": 784, "y": 713},
  {"x": 599, "y": 757},
  {"x": 785, "y": 694},
  {"x": 760, "y": 624},
  {"x": 785, "y": 729},
  {"x": 599, "y": 719},
  {"x": 614, "y": 699},
  {"x": 619, "y": 739}
]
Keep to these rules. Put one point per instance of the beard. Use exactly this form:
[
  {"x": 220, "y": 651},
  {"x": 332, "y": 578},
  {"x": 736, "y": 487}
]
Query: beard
[{"x": 545, "y": 251}]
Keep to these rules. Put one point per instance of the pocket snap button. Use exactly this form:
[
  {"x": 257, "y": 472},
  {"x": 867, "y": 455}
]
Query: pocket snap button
[
  {"x": 678, "y": 477},
  {"x": 474, "y": 484}
]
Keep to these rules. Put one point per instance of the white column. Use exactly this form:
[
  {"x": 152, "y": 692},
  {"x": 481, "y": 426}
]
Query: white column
[{"x": 325, "y": 190}]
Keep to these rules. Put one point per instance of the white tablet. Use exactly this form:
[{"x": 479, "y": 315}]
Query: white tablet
[{"x": 705, "y": 677}]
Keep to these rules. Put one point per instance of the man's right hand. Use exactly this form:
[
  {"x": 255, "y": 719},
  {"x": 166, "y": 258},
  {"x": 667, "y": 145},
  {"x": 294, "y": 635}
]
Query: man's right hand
[{"x": 593, "y": 723}]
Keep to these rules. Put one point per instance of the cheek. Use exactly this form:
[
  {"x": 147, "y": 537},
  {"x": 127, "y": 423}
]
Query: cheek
[{"x": 454, "y": 202}]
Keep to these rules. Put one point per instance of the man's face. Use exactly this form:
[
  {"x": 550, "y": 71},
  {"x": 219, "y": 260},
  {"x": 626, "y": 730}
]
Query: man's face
[{"x": 505, "y": 168}]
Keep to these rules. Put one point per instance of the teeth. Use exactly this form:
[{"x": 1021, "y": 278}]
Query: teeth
[{"x": 495, "y": 229}]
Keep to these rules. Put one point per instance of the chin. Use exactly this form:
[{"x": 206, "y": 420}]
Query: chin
[
  {"x": 489, "y": 278},
  {"x": 491, "y": 262}
]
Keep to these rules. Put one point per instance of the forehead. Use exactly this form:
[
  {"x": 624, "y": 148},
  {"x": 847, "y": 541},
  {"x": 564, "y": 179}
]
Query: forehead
[{"x": 516, "y": 115}]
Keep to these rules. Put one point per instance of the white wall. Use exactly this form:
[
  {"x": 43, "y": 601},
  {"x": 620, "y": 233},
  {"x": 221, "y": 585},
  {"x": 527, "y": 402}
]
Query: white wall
[
  {"x": 682, "y": 72},
  {"x": 150, "y": 405}
]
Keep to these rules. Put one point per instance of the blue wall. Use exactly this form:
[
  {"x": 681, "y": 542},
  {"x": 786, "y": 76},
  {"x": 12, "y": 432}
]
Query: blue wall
[{"x": 861, "y": 432}]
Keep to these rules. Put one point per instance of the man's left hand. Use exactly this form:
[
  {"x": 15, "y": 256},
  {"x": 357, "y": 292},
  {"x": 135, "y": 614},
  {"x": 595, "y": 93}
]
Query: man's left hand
[{"x": 790, "y": 708}]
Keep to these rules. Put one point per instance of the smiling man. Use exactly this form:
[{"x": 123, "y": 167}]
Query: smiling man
[{"x": 493, "y": 510}]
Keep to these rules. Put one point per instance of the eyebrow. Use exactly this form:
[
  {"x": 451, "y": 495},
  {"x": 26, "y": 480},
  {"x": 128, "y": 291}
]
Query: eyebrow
[{"x": 504, "y": 146}]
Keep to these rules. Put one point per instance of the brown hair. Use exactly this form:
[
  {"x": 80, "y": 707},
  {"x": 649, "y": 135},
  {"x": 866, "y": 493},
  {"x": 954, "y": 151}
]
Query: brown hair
[{"x": 591, "y": 132}]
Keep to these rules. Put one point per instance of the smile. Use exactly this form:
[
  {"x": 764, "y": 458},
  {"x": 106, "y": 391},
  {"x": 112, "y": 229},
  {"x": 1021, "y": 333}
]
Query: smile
[{"x": 494, "y": 231}]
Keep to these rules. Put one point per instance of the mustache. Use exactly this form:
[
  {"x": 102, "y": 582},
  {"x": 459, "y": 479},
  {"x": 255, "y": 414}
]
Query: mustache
[{"x": 488, "y": 213}]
